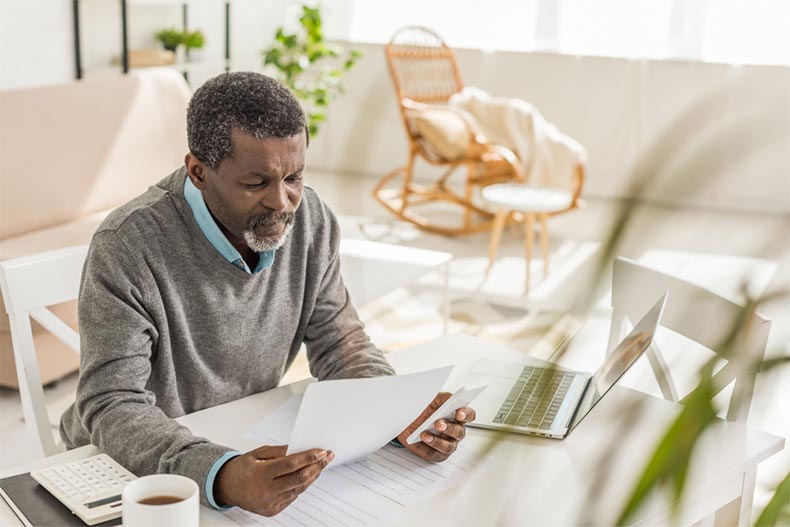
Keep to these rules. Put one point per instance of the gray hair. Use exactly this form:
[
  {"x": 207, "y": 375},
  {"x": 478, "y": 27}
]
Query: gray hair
[{"x": 254, "y": 103}]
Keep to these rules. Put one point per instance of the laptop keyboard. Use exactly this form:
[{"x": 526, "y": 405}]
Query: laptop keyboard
[{"x": 535, "y": 398}]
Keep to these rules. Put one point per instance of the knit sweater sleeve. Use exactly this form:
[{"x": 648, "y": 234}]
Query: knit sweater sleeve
[
  {"x": 337, "y": 345},
  {"x": 118, "y": 340}
]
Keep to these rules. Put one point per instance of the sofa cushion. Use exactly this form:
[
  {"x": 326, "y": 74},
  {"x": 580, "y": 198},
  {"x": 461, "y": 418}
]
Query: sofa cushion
[{"x": 78, "y": 148}]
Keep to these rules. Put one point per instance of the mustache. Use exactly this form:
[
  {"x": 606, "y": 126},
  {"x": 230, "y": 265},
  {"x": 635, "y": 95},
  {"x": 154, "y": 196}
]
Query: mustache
[{"x": 273, "y": 218}]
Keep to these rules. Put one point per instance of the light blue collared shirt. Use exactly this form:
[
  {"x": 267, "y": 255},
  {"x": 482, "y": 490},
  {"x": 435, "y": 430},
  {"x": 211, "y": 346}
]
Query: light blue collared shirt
[{"x": 214, "y": 235}]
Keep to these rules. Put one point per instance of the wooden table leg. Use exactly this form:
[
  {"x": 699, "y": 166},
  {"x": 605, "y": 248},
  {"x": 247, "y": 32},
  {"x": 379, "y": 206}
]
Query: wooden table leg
[
  {"x": 529, "y": 241},
  {"x": 496, "y": 235},
  {"x": 544, "y": 242}
]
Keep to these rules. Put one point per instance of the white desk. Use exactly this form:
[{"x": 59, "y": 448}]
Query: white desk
[{"x": 538, "y": 481}]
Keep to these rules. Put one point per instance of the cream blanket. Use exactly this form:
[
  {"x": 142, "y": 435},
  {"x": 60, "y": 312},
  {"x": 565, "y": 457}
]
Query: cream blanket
[{"x": 548, "y": 156}]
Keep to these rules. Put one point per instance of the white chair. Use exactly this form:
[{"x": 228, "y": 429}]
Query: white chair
[
  {"x": 707, "y": 319},
  {"x": 29, "y": 284},
  {"x": 697, "y": 314}
]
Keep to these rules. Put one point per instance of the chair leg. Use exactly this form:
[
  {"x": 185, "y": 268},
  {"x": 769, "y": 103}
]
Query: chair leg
[
  {"x": 407, "y": 177},
  {"x": 544, "y": 242},
  {"x": 471, "y": 168},
  {"x": 34, "y": 406},
  {"x": 496, "y": 236},
  {"x": 528, "y": 242},
  {"x": 739, "y": 511}
]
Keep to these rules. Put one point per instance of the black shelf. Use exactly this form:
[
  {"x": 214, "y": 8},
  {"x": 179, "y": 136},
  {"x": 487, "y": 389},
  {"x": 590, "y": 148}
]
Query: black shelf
[{"x": 124, "y": 5}]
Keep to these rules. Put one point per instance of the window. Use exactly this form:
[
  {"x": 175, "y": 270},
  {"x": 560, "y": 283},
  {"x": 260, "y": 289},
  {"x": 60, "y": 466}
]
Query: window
[{"x": 729, "y": 31}]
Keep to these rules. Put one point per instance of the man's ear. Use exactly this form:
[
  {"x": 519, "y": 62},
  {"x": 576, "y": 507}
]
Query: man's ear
[{"x": 196, "y": 170}]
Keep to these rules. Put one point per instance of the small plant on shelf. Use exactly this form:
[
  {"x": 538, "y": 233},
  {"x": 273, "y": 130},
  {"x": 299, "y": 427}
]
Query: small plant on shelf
[
  {"x": 296, "y": 58},
  {"x": 193, "y": 39},
  {"x": 170, "y": 38}
]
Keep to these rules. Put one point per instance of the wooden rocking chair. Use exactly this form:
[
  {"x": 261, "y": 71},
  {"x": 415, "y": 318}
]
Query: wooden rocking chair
[{"x": 426, "y": 74}]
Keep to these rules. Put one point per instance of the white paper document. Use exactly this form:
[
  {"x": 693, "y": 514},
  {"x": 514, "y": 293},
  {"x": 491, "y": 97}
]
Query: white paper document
[
  {"x": 276, "y": 428},
  {"x": 398, "y": 474},
  {"x": 331, "y": 501},
  {"x": 355, "y": 417},
  {"x": 391, "y": 472}
]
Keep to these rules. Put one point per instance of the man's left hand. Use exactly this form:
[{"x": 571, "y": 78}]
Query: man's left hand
[{"x": 438, "y": 447}]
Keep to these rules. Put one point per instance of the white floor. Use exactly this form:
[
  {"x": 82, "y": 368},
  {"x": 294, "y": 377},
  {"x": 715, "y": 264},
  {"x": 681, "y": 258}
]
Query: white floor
[{"x": 727, "y": 243}]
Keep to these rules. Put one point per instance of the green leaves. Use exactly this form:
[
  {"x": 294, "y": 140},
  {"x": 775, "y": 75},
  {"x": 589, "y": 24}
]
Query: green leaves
[
  {"x": 777, "y": 512},
  {"x": 670, "y": 462},
  {"x": 296, "y": 57},
  {"x": 171, "y": 38}
]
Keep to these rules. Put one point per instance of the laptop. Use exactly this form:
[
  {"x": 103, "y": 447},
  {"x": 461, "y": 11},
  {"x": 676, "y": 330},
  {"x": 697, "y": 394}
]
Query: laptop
[{"x": 549, "y": 401}]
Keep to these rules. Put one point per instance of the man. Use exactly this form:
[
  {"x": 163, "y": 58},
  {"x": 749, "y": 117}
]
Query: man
[{"x": 202, "y": 290}]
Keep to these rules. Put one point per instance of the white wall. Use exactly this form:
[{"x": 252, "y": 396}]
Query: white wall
[
  {"x": 37, "y": 36},
  {"x": 709, "y": 134},
  {"x": 724, "y": 129},
  {"x": 36, "y": 43}
]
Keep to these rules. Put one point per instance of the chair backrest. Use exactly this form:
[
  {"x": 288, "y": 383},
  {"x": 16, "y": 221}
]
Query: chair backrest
[
  {"x": 29, "y": 284},
  {"x": 697, "y": 314},
  {"x": 423, "y": 67},
  {"x": 424, "y": 71}
]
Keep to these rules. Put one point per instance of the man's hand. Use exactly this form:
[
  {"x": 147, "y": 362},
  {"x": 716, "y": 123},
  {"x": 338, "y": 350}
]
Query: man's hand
[
  {"x": 266, "y": 481},
  {"x": 435, "y": 447}
]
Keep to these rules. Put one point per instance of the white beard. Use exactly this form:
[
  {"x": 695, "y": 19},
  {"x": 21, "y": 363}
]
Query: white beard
[{"x": 260, "y": 245}]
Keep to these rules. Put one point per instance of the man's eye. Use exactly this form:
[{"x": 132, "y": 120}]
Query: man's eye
[
  {"x": 293, "y": 179},
  {"x": 260, "y": 184}
]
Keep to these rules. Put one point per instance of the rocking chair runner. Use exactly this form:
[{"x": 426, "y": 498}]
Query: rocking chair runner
[{"x": 426, "y": 74}]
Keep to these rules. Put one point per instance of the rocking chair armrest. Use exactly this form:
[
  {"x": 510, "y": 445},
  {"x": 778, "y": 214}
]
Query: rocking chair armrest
[
  {"x": 411, "y": 104},
  {"x": 578, "y": 182},
  {"x": 475, "y": 134},
  {"x": 511, "y": 158}
]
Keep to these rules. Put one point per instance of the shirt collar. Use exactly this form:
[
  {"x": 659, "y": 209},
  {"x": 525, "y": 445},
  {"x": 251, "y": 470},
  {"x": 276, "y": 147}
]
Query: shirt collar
[{"x": 215, "y": 236}]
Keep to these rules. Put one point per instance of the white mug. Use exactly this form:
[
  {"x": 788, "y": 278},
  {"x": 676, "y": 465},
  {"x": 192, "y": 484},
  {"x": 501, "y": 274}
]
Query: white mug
[{"x": 184, "y": 513}]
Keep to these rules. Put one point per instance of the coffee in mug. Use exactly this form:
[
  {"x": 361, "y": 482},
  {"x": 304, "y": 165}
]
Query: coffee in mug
[{"x": 161, "y": 500}]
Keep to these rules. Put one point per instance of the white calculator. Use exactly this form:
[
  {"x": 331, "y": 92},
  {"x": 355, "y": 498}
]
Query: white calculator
[{"x": 90, "y": 488}]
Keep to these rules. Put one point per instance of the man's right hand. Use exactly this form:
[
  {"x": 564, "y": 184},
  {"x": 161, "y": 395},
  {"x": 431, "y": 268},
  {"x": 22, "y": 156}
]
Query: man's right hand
[{"x": 266, "y": 481}]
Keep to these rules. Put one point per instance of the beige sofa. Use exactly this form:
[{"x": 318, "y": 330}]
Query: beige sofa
[{"x": 68, "y": 155}]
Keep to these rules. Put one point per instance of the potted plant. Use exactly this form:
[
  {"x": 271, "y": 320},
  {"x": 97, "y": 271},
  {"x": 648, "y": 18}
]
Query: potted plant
[
  {"x": 194, "y": 42},
  {"x": 296, "y": 57},
  {"x": 170, "y": 38},
  {"x": 193, "y": 39}
]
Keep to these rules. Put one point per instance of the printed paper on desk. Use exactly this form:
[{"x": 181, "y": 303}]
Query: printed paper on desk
[{"x": 355, "y": 417}]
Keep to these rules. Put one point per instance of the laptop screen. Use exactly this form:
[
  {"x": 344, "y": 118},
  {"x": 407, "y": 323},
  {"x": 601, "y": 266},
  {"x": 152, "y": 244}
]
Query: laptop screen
[{"x": 619, "y": 360}]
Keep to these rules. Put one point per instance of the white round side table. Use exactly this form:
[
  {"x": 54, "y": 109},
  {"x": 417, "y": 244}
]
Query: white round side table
[{"x": 525, "y": 203}]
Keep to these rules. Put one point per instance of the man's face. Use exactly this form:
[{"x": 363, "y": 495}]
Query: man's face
[{"x": 255, "y": 193}]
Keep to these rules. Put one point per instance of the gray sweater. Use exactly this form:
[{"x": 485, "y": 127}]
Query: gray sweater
[{"x": 169, "y": 327}]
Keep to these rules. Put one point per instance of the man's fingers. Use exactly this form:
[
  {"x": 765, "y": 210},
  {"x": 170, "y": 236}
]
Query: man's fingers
[
  {"x": 439, "y": 400},
  {"x": 445, "y": 446},
  {"x": 427, "y": 452},
  {"x": 269, "y": 452},
  {"x": 293, "y": 462},
  {"x": 299, "y": 480},
  {"x": 465, "y": 415},
  {"x": 287, "y": 500},
  {"x": 453, "y": 430}
]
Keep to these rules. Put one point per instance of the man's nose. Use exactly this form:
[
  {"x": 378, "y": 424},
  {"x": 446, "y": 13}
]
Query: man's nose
[{"x": 277, "y": 198}]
